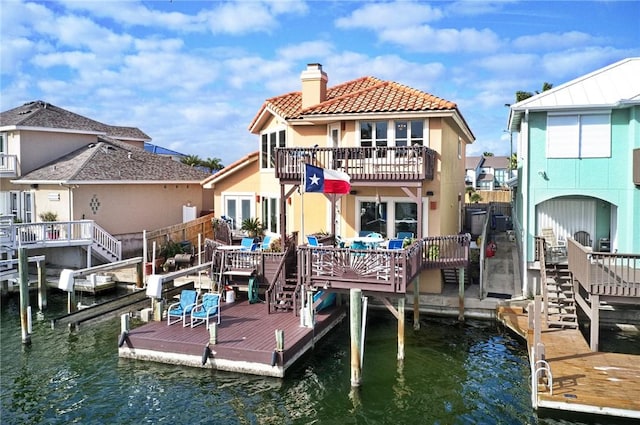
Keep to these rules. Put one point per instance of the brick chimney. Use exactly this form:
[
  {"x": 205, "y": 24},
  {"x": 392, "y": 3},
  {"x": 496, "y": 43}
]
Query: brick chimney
[{"x": 314, "y": 85}]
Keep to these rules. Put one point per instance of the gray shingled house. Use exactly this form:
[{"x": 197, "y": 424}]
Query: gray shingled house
[{"x": 53, "y": 160}]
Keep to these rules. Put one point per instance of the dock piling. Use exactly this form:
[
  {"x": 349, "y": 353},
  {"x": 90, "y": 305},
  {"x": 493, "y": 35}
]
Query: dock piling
[
  {"x": 23, "y": 271},
  {"x": 42, "y": 285},
  {"x": 355, "y": 315}
]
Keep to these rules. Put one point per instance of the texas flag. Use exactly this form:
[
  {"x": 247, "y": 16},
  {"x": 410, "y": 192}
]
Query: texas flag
[{"x": 326, "y": 181}]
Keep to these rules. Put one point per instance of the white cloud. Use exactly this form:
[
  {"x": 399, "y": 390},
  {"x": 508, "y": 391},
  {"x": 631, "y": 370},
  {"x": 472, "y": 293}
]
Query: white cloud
[
  {"x": 73, "y": 59},
  {"x": 81, "y": 32},
  {"x": 553, "y": 41},
  {"x": 427, "y": 39},
  {"x": 569, "y": 63},
  {"x": 398, "y": 14}
]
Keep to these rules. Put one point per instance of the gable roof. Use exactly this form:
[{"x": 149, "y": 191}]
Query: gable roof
[
  {"x": 43, "y": 115},
  {"x": 365, "y": 95},
  {"x": 113, "y": 162},
  {"x": 230, "y": 169},
  {"x": 613, "y": 86},
  {"x": 473, "y": 162},
  {"x": 496, "y": 162}
]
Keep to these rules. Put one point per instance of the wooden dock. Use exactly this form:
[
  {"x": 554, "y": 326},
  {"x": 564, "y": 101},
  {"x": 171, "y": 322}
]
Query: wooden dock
[
  {"x": 246, "y": 340},
  {"x": 583, "y": 381}
]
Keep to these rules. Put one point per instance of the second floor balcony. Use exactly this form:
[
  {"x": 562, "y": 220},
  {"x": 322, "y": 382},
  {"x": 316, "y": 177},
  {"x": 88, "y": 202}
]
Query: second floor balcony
[
  {"x": 9, "y": 166},
  {"x": 362, "y": 164}
]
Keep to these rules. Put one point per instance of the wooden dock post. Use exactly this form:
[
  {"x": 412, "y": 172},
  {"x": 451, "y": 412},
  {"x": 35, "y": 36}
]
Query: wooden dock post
[
  {"x": 355, "y": 320},
  {"x": 213, "y": 333},
  {"x": 537, "y": 325},
  {"x": 42, "y": 285},
  {"x": 416, "y": 303},
  {"x": 401, "y": 320},
  {"x": 139, "y": 271},
  {"x": 461, "y": 294},
  {"x": 23, "y": 271}
]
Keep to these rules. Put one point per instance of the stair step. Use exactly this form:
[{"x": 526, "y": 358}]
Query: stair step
[{"x": 571, "y": 325}]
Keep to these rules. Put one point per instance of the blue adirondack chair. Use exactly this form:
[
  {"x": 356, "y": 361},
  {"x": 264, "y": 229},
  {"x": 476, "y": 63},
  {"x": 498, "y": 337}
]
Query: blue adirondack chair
[
  {"x": 395, "y": 243},
  {"x": 202, "y": 313},
  {"x": 404, "y": 235},
  {"x": 246, "y": 244},
  {"x": 180, "y": 310}
]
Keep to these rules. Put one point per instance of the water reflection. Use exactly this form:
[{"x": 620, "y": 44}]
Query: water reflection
[{"x": 452, "y": 374}]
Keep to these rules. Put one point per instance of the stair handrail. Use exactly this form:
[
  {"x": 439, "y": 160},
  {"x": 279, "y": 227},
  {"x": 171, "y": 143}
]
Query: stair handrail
[
  {"x": 543, "y": 279},
  {"x": 106, "y": 241},
  {"x": 277, "y": 279}
]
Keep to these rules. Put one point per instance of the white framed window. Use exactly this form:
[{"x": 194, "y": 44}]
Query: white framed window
[
  {"x": 268, "y": 144},
  {"x": 271, "y": 214},
  {"x": 238, "y": 207},
  {"x": 388, "y": 216},
  {"x": 409, "y": 133},
  {"x": 579, "y": 135},
  {"x": 17, "y": 204}
]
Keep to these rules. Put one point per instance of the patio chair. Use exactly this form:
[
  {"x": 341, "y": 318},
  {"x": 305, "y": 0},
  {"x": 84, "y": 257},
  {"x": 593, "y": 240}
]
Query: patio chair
[
  {"x": 583, "y": 238},
  {"x": 313, "y": 241},
  {"x": 396, "y": 243},
  {"x": 405, "y": 235},
  {"x": 553, "y": 245},
  {"x": 266, "y": 242},
  {"x": 180, "y": 310},
  {"x": 246, "y": 244},
  {"x": 203, "y": 312}
]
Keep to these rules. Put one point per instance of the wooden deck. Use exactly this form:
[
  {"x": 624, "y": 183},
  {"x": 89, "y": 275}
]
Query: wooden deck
[
  {"x": 246, "y": 340},
  {"x": 583, "y": 381}
]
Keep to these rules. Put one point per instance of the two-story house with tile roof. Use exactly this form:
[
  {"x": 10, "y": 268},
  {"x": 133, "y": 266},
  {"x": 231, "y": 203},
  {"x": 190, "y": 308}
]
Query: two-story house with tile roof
[
  {"x": 578, "y": 148},
  {"x": 54, "y": 160},
  {"x": 403, "y": 149}
]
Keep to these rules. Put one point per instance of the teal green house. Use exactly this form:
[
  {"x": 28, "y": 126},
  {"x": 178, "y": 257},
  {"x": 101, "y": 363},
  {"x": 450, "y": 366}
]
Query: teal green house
[{"x": 578, "y": 148}]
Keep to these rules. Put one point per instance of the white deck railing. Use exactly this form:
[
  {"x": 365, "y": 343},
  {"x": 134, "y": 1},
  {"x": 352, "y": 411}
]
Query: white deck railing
[
  {"x": 9, "y": 165},
  {"x": 60, "y": 233}
]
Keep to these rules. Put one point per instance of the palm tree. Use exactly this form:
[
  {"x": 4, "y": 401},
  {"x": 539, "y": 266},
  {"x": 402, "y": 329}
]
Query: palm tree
[
  {"x": 522, "y": 95},
  {"x": 513, "y": 162},
  {"x": 213, "y": 164},
  {"x": 487, "y": 153},
  {"x": 192, "y": 160}
]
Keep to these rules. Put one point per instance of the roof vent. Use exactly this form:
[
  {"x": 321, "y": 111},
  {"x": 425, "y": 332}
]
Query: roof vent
[{"x": 129, "y": 154}]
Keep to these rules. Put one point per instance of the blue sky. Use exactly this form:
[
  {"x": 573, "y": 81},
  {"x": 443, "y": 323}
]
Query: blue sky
[{"x": 193, "y": 74}]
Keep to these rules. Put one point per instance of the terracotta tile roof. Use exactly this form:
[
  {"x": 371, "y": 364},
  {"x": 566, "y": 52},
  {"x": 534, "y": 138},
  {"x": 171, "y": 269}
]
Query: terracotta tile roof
[
  {"x": 366, "y": 94},
  {"x": 40, "y": 114},
  {"x": 112, "y": 160}
]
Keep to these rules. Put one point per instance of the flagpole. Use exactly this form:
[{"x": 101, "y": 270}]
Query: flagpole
[{"x": 303, "y": 179}]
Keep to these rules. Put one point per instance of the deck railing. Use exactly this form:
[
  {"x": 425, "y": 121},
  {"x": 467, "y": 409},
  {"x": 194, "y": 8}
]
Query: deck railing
[
  {"x": 9, "y": 166},
  {"x": 367, "y": 164},
  {"x": 61, "y": 233},
  {"x": 604, "y": 273},
  {"x": 379, "y": 270}
]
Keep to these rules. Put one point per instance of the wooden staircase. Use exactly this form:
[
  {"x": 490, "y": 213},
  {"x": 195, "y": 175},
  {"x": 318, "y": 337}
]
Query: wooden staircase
[
  {"x": 561, "y": 304},
  {"x": 285, "y": 294},
  {"x": 453, "y": 275}
]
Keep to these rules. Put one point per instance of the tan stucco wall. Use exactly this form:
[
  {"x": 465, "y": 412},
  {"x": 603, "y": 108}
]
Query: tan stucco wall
[
  {"x": 133, "y": 208},
  {"x": 246, "y": 181}
]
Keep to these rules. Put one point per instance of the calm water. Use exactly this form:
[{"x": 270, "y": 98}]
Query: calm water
[{"x": 475, "y": 373}]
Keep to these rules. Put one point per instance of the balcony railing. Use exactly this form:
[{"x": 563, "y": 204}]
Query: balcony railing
[
  {"x": 364, "y": 164},
  {"x": 59, "y": 234},
  {"x": 9, "y": 166},
  {"x": 602, "y": 273},
  {"x": 379, "y": 270}
]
